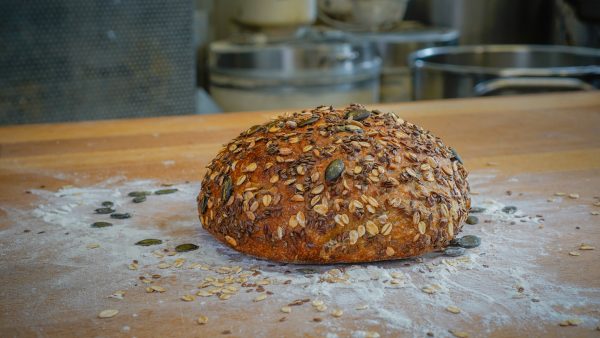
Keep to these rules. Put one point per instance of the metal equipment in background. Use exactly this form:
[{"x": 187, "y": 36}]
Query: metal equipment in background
[
  {"x": 468, "y": 71},
  {"x": 68, "y": 60},
  {"x": 394, "y": 48},
  {"x": 313, "y": 69}
]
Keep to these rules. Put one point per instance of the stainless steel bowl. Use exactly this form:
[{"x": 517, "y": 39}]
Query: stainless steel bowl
[
  {"x": 297, "y": 73},
  {"x": 468, "y": 71}
]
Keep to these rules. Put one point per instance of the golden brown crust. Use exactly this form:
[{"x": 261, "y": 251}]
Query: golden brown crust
[{"x": 278, "y": 190}]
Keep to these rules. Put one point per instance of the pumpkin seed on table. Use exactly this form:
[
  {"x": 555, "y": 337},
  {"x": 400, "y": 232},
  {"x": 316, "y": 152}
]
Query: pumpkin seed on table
[
  {"x": 139, "y": 193},
  {"x": 101, "y": 224},
  {"x": 104, "y": 211},
  {"x": 107, "y": 204},
  {"x": 120, "y": 215},
  {"x": 186, "y": 247},
  {"x": 476, "y": 210},
  {"x": 165, "y": 191},
  {"x": 454, "y": 251},
  {"x": 139, "y": 199},
  {"x": 149, "y": 241},
  {"x": 334, "y": 170},
  {"x": 510, "y": 209},
  {"x": 469, "y": 241},
  {"x": 472, "y": 220}
]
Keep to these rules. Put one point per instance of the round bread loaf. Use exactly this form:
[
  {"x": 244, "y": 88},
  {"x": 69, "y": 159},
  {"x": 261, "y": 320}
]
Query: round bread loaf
[{"x": 335, "y": 185}]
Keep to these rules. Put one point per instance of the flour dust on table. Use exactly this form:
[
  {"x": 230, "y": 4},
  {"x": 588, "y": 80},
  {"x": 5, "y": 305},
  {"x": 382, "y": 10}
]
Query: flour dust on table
[{"x": 179, "y": 268}]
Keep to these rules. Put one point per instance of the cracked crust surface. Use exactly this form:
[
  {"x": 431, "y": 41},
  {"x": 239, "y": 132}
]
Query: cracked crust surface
[{"x": 335, "y": 185}]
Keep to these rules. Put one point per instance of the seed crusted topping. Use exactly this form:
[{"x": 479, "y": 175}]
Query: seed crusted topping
[{"x": 327, "y": 185}]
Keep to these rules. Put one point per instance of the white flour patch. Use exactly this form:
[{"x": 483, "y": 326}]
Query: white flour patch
[{"x": 498, "y": 283}]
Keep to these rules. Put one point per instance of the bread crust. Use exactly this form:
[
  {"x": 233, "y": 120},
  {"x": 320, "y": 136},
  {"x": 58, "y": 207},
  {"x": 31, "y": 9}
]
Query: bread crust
[{"x": 277, "y": 191}]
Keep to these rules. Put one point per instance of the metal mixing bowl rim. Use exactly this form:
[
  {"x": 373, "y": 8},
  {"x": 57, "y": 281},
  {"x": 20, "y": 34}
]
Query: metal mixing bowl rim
[{"x": 418, "y": 60}]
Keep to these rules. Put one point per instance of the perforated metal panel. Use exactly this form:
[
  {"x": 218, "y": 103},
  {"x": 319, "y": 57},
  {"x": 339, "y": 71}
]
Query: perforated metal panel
[{"x": 66, "y": 60}]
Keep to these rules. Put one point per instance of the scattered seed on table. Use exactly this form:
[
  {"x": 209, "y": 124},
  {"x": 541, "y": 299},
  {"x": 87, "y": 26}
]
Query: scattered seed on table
[
  {"x": 574, "y": 196},
  {"x": 586, "y": 247},
  {"x": 453, "y": 309},
  {"x": 321, "y": 308},
  {"x": 108, "y": 313},
  {"x": 156, "y": 288},
  {"x": 469, "y": 241},
  {"x": 574, "y": 253},
  {"x": 120, "y": 215},
  {"x": 362, "y": 307},
  {"x": 101, "y": 224},
  {"x": 459, "y": 334},
  {"x": 337, "y": 313},
  {"x": 107, "y": 204},
  {"x": 454, "y": 251},
  {"x": 187, "y": 298},
  {"x": 510, "y": 209},
  {"x": 260, "y": 297},
  {"x": 104, "y": 211},
  {"x": 428, "y": 290},
  {"x": 139, "y": 199},
  {"x": 139, "y": 193},
  {"x": 93, "y": 246},
  {"x": 149, "y": 241},
  {"x": 472, "y": 220},
  {"x": 286, "y": 309},
  {"x": 476, "y": 210},
  {"x": 186, "y": 247},
  {"x": 594, "y": 213},
  {"x": 165, "y": 191},
  {"x": 202, "y": 320},
  {"x": 560, "y": 193}
]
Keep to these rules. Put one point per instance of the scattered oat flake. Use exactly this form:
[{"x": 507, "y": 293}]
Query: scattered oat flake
[
  {"x": 202, "y": 320},
  {"x": 187, "y": 298},
  {"x": 118, "y": 294},
  {"x": 574, "y": 196},
  {"x": 317, "y": 302},
  {"x": 428, "y": 290},
  {"x": 594, "y": 213},
  {"x": 260, "y": 297},
  {"x": 337, "y": 313},
  {"x": 574, "y": 253},
  {"x": 571, "y": 322},
  {"x": 586, "y": 247},
  {"x": 286, "y": 309},
  {"x": 108, "y": 313},
  {"x": 157, "y": 288},
  {"x": 453, "y": 309},
  {"x": 92, "y": 246},
  {"x": 459, "y": 334},
  {"x": 560, "y": 194},
  {"x": 321, "y": 308},
  {"x": 362, "y": 307},
  {"x": 164, "y": 265}
]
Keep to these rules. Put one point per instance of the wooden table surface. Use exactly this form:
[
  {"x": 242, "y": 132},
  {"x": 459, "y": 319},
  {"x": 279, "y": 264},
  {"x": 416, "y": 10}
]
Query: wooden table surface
[{"x": 533, "y": 145}]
